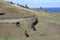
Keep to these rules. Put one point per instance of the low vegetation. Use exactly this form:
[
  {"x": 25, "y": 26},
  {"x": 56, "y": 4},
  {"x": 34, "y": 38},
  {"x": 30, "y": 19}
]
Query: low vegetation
[
  {"x": 47, "y": 27},
  {"x": 16, "y": 12},
  {"x": 2, "y": 13}
]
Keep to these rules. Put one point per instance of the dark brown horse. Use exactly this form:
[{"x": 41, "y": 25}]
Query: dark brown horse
[{"x": 32, "y": 22}]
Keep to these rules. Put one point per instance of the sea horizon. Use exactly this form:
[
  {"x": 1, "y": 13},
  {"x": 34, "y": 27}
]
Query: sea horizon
[{"x": 52, "y": 9}]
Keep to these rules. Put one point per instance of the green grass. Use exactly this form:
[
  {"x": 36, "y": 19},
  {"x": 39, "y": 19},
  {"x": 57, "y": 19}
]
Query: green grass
[
  {"x": 13, "y": 12},
  {"x": 57, "y": 17},
  {"x": 1, "y": 38},
  {"x": 23, "y": 24},
  {"x": 1, "y": 0},
  {"x": 47, "y": 28}
]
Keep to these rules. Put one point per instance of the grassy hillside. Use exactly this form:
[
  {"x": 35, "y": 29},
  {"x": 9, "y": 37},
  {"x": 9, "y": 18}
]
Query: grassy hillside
[
  {"x": 1, "y": 0},
  {"x": 56, "y": 17},
  {"x": 47, "y": 27},
  {"x": 12, "y": 11}
]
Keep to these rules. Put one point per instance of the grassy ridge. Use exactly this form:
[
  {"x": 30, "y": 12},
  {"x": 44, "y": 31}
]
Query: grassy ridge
[
  {"x": 47, "y": 29},
  {"x": 12, "y": 11}
]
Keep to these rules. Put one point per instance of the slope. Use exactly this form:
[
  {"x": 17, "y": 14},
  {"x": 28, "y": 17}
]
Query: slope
[
  {"x": 46, "y": 29},
  {"x": 12, "y": 11}
]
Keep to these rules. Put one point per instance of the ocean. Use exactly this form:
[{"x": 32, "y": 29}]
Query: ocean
[{"x": 49, "y": 9}]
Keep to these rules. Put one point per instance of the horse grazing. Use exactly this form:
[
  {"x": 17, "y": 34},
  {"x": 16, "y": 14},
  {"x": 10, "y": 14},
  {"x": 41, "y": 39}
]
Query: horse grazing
[{"x": 32, "y": 22}]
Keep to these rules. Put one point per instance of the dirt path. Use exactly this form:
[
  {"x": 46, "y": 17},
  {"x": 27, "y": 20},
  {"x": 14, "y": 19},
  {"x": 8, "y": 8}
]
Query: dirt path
[
  {"x": 10, "y": 20},
  {"x": 51, "y": 16}
]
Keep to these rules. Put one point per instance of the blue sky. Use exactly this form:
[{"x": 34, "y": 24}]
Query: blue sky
[{"x": 38, "y": 3}]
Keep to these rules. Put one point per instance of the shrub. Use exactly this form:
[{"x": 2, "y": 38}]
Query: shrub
[
  {"x": 2, "y": 13},
  {"x": 18, "y": 24}
]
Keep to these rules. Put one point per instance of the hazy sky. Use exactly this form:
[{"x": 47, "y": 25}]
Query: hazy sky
[{"x": 38, "y": 3}]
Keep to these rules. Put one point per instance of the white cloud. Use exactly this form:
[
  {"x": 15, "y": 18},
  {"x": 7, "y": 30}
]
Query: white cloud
[
  {"x": 44, "y": 3},
  {"x": 51, "y": 1}
]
